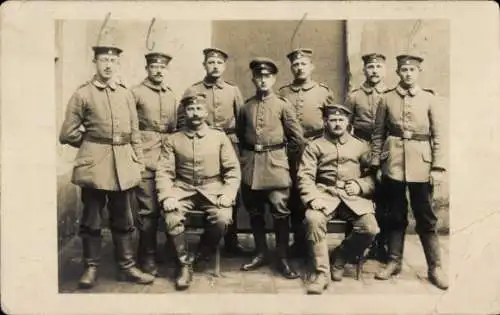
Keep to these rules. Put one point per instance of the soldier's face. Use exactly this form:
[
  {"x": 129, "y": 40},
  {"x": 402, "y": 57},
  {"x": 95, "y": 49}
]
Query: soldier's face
[
  {"x": 374, "y": 72},
  {"x": 302, "y": 68},
  {"x": 106, "y": 65},
  {"x": 336, "y": 124},
  {"x": 408, "y": 74},
  {"x": 264, "y": 82},
  {"x": 195, "y": 114},
  {"x": 214, "y": 66},
  {"x": 156, "y": 72}
]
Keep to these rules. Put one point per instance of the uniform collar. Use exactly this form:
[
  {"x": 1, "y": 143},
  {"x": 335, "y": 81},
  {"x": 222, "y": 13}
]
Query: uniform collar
[
  {"x": 295, "y": 86},
  {"x": 379, "y": 88},
  {"x": 411, "y": 91},
  {"x": 102, "y": 85},
  {"x": 219, "y": 83},
  {"x": 199, "y": 133},
  {"x": 157, "y": 87},
  {"x": 265, "y": 97},
  {"x": 342, "y": 139}
]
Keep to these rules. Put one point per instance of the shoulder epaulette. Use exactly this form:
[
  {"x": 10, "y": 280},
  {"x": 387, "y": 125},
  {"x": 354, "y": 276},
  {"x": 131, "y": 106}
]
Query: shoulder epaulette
[
  {"x": 83, "y": 85},
  {"x": 430, "y": 91},
  {"x": 230, "y": 83},
  {"x": 389, "y": 90},
  {"x": 325, "y": 86},
  {"x": 249, "y": 99}
]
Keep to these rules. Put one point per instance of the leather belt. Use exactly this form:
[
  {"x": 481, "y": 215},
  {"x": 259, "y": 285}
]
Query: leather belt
[
  {"x": 362, "y": 134},
  {"x": 159, "y": 130},
  {"x": 264, "y": 147},
  {"x": 313, "y": 133},
  {"x": 197, "y": 181},
  {"x": 117, "y": 139},
  {"x": 409, "y": 135}
]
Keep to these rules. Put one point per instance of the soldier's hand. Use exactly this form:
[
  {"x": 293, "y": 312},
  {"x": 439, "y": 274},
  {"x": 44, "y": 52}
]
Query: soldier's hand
[
  {"x": 436, "y": 177},
  {"x": 318, "y": 204},
  {"x": 224, "y": 202},
  {"x": 352, "y": 188},
  {"x": 171, "y": 204}
]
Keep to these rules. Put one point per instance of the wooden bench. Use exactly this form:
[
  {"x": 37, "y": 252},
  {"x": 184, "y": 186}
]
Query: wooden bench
[{"x": 195, "y": 222}]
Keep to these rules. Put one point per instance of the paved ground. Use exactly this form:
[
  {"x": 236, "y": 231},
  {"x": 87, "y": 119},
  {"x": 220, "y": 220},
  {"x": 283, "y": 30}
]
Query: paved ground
[{"x": 411, "y": 281}]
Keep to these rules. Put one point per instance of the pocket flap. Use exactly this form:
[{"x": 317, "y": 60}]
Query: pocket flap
[
  {"x": 427, "y": 156},
  {"x": 83, "y": 162}
]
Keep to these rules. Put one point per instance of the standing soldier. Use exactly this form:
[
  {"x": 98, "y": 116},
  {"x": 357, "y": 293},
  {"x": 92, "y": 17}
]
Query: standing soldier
[
  {"x": 157, "y": 110},
  {"x": 334, "y": 181},
  {"x": 308, "y": 97},
  {"x": 363, "y": 103},
  {"x": 267, "y": 121},
  {"x": 224, "y": 101},
  {"x": 101, "y": 121},
  {"x": 198, "y": 170},
  {"x": 407, "y": 146}
]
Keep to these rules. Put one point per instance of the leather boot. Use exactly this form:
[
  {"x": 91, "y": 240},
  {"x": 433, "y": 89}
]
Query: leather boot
[
  {"x": 282, "y": 231},
  {"x": 184, "y": 276},
  {"x": 396, "y": 241},
  {"x": 91, "y": 256},
  {"x": 125, "y": 259},
  {"x": 318, "y": 283},
  {"x": 338, "y": 265},
  {"x": 299, "y": 247},
  {"x": 432, "y": 251},
  {"x": 146, "y": 253},
  {"x": 259, "y": 234}
]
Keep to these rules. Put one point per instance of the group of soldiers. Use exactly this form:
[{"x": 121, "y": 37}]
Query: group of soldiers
[{"x": 298, "y": 153}]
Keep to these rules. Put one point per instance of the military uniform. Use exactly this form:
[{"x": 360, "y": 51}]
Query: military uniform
[
  {"x": 196, "y": 167},
  {"x": 407, "y": 145},
  {"x": 101, "y": 121},
  {"x": 327, "y": 164},
  {"x": 308, "y": 99},
  {"x": 266, "y": 122},
  {"x": 363, "y": 103},
  {"x": 224, "y": 102},
  {"x": 157, "y": 108}
]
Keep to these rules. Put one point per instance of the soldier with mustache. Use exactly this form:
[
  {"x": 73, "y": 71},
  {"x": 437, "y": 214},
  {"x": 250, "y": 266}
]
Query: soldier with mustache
[
  {"x": 157, "y": 112},
  {"x": 223, "y": 104},
  {"x": 308, "y": 98},
  {"x": 363, "y": 103}
]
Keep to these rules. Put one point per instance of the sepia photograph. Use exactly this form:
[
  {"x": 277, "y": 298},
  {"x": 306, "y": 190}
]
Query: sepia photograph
[
  {"x": 239, "y": 157},
  {"x": 299, "y": 156}
]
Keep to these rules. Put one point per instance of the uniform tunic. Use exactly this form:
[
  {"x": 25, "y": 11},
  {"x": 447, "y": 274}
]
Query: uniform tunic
[
  {"x": 107, "y": 111},
  {"x": 363, "y": 103},
  {"x": 200, "y": 161},
  {"x": 308, "y": 101},
  {"x": 268, "y": 120},
  {"x": 224, "y": 102},
  {"x": 414, "y": 111},
  {"x": 327, "y": 164},
  {"x": 157, "y": 109}
]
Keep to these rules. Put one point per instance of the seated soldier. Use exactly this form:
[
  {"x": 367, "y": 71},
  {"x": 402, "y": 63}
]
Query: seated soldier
[
  {"x": 331, "y": 184},
  {"x": 198, "y": 170}
]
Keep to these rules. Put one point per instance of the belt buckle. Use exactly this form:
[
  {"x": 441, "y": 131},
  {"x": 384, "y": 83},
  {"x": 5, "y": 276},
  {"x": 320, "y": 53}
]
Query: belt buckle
[
  {"x": 258, "y": 147},
  {"x": 340, "y": 184},
  {"x": 117, "y": 139},
  {"x": 407, "y": 134},
  {"x": 197, "y": 181}
]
